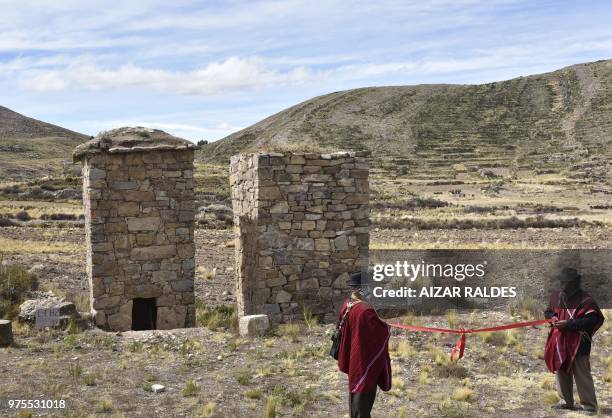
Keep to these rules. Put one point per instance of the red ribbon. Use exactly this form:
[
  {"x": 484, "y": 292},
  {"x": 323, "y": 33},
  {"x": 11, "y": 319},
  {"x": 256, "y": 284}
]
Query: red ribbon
[{"x": 460, "y": 346}]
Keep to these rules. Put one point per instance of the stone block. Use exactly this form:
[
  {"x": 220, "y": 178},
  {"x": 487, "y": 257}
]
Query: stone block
[
  {"x": 171, "y": 317},
  {"x": 128, "y": 209},
  {"x": 145, "y": 239},
  {"x": 164, "y": 276},
  {"x": 253, "y": 325},
  {"x": 283, "y": 297},
  {"x": 108, "y": 302},
  {"x": 276, "y": 281},
  {"x": 322, "y": 244},
  {"x": 280, "y": 207},
  {"x": 182, "y": 285},
  {"x": 115, "y": 227},
  {"x": 154, "y": 252},
  {"x": 341, "y": 243},
  {"x": 143, "y": 224},
  {"x": 122, "y": 320},
  {"x": 271, "y": 308},
  {"x": 341, "y": 281},
  {"x": 138, "y": 196},
  {"x": 99, "y": 318},
  {"x": 304, "y": 244},
  {"x": 311, "y": 283},
  {"x": 297, "y": 159},
  {"x": 124, "y": 185},
  {"x": 97, "y": 174},
  {"x": 269, "y": 193}
]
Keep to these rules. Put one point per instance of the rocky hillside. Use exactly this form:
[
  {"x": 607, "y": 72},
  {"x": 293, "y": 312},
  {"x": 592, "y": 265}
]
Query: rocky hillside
[
  {"x": 540, "y": 120},
  {"x": 30, "y": 148},
  {"x": 16, "y": 125}
]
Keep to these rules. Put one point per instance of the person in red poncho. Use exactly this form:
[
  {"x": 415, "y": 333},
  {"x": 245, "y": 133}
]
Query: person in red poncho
[
  {"x": 363, "y": 351},
  {"x": 576, "y": 318}
]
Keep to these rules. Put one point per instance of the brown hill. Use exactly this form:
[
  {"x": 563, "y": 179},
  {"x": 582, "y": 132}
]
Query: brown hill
[
  {"x": 547, "y": 119},
  {"x": 30, "y": 148},
  {"x": 16, "y": 125}
]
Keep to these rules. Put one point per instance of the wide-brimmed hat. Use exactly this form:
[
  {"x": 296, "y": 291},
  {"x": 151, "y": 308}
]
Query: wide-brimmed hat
[
  {"x": 567, "y": 275},
  {"x": 355, "y": 280}
]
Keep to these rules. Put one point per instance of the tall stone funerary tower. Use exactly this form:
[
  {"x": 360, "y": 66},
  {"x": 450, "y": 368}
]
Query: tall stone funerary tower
[{"x": 139, "y": 219}]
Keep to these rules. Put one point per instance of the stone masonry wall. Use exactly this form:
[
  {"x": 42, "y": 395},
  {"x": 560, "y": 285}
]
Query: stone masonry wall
[
  {"x": 139, "y": 211},
  {"x": 302, "y": 226}
]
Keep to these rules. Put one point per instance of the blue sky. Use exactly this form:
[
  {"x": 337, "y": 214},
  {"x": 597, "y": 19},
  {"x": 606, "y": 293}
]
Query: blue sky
[{"x": 202, "y": 70}]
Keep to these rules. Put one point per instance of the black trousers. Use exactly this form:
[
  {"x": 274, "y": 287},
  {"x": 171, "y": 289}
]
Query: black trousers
[{"x": 360, "y": 404}]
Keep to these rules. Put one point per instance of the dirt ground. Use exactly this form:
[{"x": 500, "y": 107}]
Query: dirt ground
[
  {"x": 289, "y": 371},
  {"x": 105, "y": 374},
  {"x": 57, "y": 255}
]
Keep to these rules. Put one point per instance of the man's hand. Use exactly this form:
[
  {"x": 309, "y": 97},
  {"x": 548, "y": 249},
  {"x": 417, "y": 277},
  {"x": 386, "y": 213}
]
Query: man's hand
[{"x": 560, "y": 324}]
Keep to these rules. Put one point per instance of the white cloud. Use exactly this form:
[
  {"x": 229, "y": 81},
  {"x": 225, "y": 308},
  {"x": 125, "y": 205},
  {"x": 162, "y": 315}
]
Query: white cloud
[
  {"x": 230, "y": 75},
  {"x": 194, "y": 57}
]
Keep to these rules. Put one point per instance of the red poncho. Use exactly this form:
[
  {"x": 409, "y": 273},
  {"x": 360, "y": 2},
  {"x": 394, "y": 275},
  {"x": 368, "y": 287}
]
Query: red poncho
[
  {"x": 562, "y": 344},
  {"x": 364, "y": 349}
]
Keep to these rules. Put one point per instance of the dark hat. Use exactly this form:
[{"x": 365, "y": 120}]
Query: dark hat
[
  {"x": 567, "y": 275},
  {"x": 355, "y": 280}
]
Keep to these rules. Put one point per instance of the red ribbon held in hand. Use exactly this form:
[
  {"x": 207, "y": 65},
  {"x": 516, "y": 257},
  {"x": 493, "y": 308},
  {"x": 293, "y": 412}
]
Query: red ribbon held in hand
[{"x": 460, "y": 346}]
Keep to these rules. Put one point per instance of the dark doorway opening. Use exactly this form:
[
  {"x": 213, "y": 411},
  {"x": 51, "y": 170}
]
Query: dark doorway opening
[{"x": 144, "y": 314}]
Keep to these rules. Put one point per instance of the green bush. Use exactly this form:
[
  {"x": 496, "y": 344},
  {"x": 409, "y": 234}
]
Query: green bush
[
  {"x": 213, "y": 317},
  {"x": 15, "y": 281}
]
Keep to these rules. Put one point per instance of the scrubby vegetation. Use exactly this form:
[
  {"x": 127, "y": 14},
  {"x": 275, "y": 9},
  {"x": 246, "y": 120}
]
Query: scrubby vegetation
[
  {"x": 15, "y": 282},
  {"x": 214, "y": 317},
  {"x": 513, "y": 222}
]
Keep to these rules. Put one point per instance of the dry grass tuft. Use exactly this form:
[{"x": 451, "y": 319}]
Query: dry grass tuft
[
  {"x": 209, "y": 410},
  {"x": 310, "y": 320},
  {"x": 463, "y": 394},
  {"x": 412, "y": 319},
  {"x": 423, "y": 378},
  {"x": 451, "y": 317},
  {"x": 528, "y": 308},
  {"x": 191, "y": 389},
  {"x": 216, "y": 317},
  {"x": 547, "y": 383},
  {"x": 405, "y": 350},
  {"x": 550, "y": 397},
  {"x": 497, "y": 339},
  {"x": 104, "y": 405},
  {"x": 15, "y": 246},
  {"x": 453, "y": 409},
  {"x": 289, "y": 331},
  {"x": 253, "y": 394},
  {"x": 271, "y": 404}
]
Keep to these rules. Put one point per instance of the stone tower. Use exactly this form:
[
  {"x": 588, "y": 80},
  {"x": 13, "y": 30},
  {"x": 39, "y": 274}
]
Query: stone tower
[
  {"x": 139, "y": 219},
  {"x": 302, "y": 226}
]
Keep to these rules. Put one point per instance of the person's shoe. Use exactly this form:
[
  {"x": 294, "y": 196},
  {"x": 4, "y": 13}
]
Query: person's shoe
[
  {"x": 563, "y": 405},
  {"x": 588, "y": 410}
]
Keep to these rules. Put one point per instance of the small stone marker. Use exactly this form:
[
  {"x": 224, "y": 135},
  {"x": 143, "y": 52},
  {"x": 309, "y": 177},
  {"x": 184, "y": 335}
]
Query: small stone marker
[
  {"x": 6, "y": 333},
  {"x": 253, "y": 325},
  {"x": 47, "y": 317},
  {"x": 157, "y": 388}
]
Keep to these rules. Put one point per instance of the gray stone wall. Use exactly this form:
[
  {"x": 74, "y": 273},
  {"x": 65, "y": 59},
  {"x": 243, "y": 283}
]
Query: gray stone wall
[
  {"x": 302, "y": 226},
  {"x": 139, "y": 212}
]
